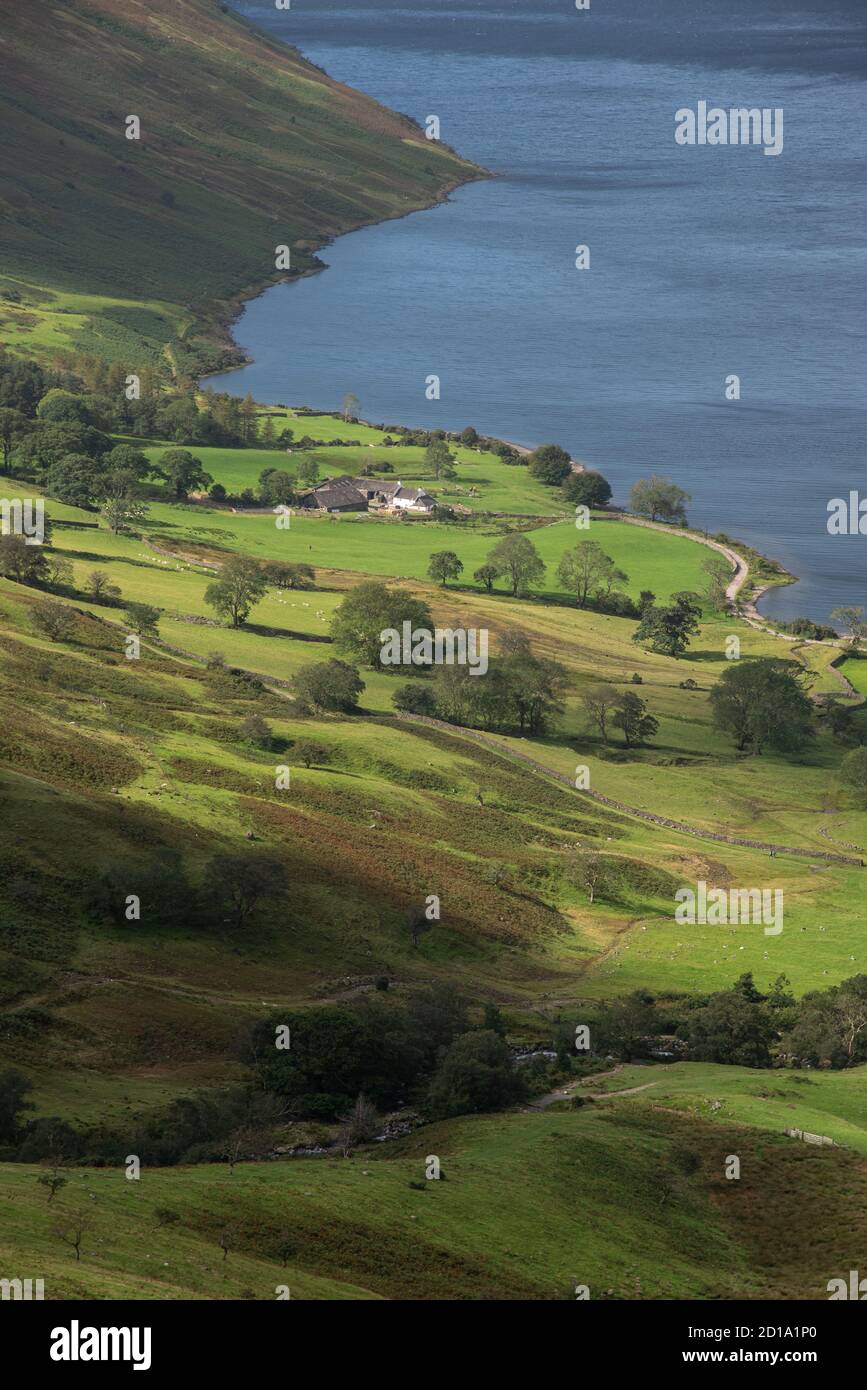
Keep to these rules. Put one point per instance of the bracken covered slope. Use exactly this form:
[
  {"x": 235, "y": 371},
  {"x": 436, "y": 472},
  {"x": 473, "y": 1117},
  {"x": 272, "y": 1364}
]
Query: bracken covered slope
[{"x": 244, "y": 145}]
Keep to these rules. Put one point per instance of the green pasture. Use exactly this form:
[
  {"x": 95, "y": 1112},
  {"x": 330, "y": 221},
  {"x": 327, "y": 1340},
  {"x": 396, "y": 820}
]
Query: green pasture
[{"x": 831, "y": 1103}]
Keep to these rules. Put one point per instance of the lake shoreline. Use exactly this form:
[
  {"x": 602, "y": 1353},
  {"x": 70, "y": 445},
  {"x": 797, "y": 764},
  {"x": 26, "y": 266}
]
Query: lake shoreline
[{"x": 228, "y": 312}]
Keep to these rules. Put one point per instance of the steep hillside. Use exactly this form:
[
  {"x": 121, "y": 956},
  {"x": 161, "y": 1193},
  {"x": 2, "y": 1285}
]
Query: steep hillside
[{"x": 244, "y": 146}]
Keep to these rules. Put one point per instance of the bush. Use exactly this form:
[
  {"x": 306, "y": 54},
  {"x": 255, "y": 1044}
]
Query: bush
[
  {"x": 329, "y": 685},
  {"x": 255, "y": 730},
  {"x": 853, "y": 769},
  {"x": 475, "y": 1075},
  {"x": 415, "y": 698},
  {"x": 550, "y": 464},
  {"x": 309, "y": 753},
  {"x": 587, "y": 489},
  {"x": 142, "y": 618},
  {"x": 53, "y": 620}
]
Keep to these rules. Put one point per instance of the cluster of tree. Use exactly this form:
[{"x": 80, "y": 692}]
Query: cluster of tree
[
  {"x": 242, "y": 583},
  {"x": 61, "y": 450},
  {"x": 343, "y": 1063},
  {"x": 741, "y": 1026},
  {"x": 44, "y": 568},
  {"x": 98, "y": 395},
  {"x": 520, "y": 691},
  {"x": 806, "y": 628},
  {"x": 205, "y": 1127},
  {"x": 586, "y": 571},
  {"x": 424, "y": 439},
  {"x": 667, "y": 629},
  {"x": 659, "y": 499},
  {"x": 762, "y": 703},
  {"x": 515, "y": 557},
  {"x": 608, "y": 708},
  {"x": 55, "y": 430},
  {"x": 277, "y": 486},
  {"x": 289, "y": 574},
  {"x": 553, "y": 466},
  {"x": 424, "y": 1052},
  {"x": 234, "y": 891}
]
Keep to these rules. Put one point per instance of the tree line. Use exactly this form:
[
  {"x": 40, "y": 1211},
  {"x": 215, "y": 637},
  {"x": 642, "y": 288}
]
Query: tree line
[{"x": 740, "y": 1026}]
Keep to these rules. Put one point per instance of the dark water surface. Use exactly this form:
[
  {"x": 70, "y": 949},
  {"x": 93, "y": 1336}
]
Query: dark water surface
[{"x": 705, "y": 261}]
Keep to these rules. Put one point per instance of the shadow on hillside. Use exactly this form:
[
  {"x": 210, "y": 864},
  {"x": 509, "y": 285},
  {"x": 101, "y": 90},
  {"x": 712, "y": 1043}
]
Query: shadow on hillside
[
  {"x": 93, "y": 557},
  {"x": 704, "y": 656},
  {"x": 260, "y": 630}
]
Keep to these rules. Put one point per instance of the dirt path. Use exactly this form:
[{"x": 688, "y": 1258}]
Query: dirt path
[
  {"x": 543, "y": 1102},
  {"x": 738, "y": 562}
]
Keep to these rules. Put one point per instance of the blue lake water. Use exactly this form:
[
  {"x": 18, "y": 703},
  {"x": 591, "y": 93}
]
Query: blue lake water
[{"x": 704, "y": 261}]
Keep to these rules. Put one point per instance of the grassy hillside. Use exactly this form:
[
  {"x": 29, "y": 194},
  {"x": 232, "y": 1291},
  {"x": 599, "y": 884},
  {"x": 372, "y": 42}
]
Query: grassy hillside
[
  {"x": 151, "y": 753},
  {"x": 161, "y": 782},
  {"x": 630, "y": 1202},
  {"x": 244, "y": 146},
  {"x": 828, "y": 1103},
  {"x": 117, "y": 767}
]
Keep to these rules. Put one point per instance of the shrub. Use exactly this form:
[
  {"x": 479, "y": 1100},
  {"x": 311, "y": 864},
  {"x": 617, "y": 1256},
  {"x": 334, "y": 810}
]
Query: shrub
[
  {"x": 475, "y": 1075},
  {"x": 550, "y": 464},
  {"x": 255, "y": 730},
  {"x": 415, "y": 698},
  {"x": 309, "y": 753},
  {"x": 53, "y": 620},
  {"x": 329, "y": 685}
]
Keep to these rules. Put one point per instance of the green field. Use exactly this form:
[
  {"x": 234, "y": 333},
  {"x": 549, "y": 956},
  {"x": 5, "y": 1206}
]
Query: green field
[
  {"x": 483, "y": 483},
  {"x": 690, "y": 773},
  {"x": 118, "y": 762},
  {"x": 531, "y": 1206},
  {"x": 855, "y": 671},
  {"x": 365, "y": 544},
  {"x": 833, "y": 1104},
  {"x": 193, "y": 853}
]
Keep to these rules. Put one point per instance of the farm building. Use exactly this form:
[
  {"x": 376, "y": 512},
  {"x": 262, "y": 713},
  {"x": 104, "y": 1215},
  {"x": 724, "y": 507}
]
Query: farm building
[
  {"x": 348, "y": 494},
  {"x": 334, "y": 495}
]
